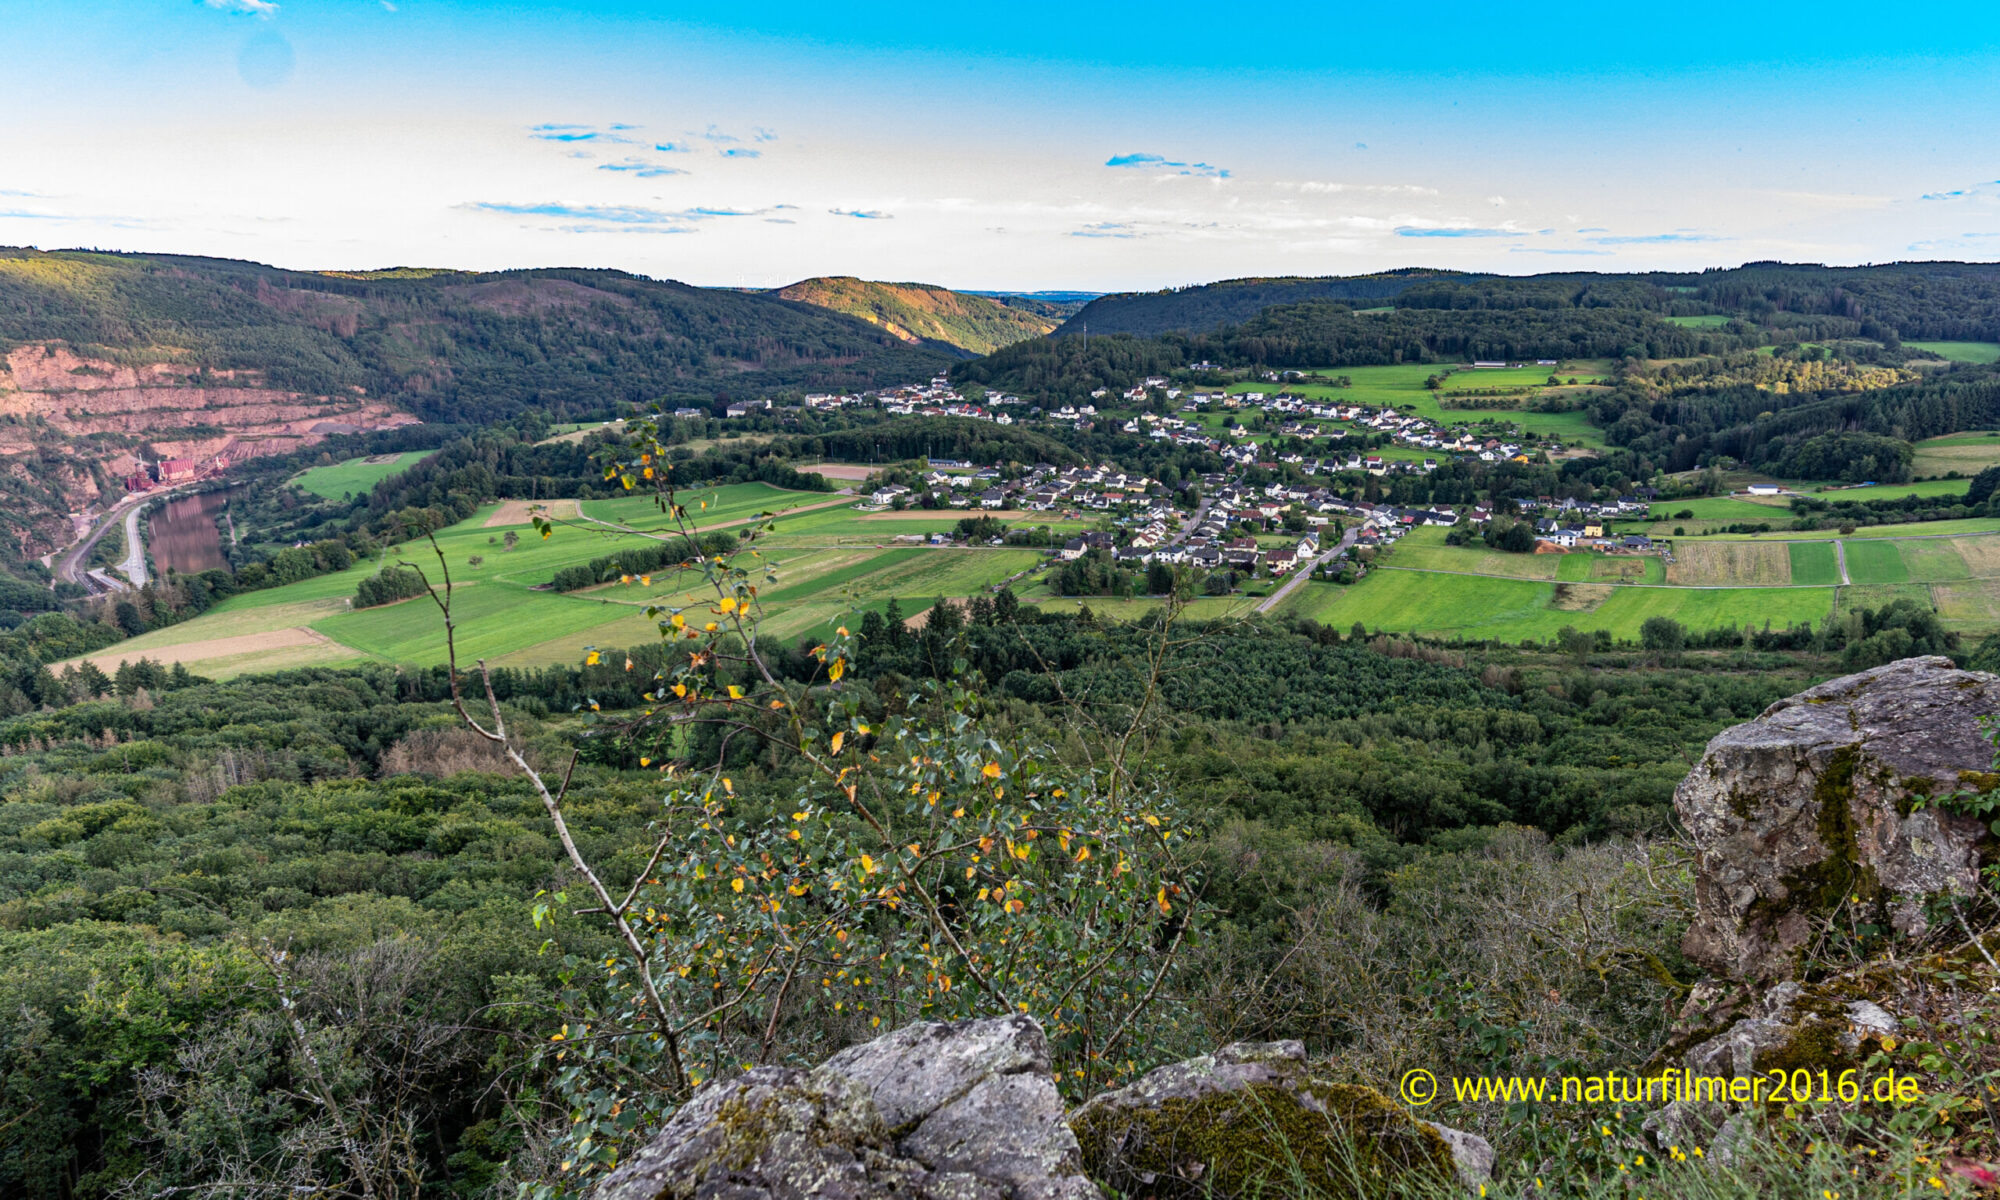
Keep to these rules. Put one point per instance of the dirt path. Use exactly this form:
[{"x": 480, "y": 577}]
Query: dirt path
[{"x": 1840, "y": 556}]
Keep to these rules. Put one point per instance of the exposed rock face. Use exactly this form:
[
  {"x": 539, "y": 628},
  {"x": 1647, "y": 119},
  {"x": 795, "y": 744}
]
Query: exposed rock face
[
  {"x": 961, "y": 1111},
  {"x": 94, "y": 412},
  {"x": 969, "y": 1111},
  {"x": 1238, "y": 1122},
  {"x": 1809, "y": 807}
]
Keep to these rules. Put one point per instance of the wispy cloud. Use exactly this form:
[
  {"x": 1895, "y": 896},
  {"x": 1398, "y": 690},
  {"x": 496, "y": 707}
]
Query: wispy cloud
[
  {"x": 1454, "y": 231},
  {"x": 674, "y": 148},
  {"x": 1976, "y": 191},
  {"x": 1106, "y": 229},
  {"x": 1160, "y": 163},
  {"x": 1653, "y": 239},
  {"x": 1312, "y": 187},
  {"x": 742, "y": 152},
  {"x": 623, "y": 218},
  {"x": 763, "y": 135},
  {"x": 639, "y": 168},
  {"x": 715, "y": 134},
  {"x": 1552, "y": 250},
  {"x": 863, "y": 214},
  {"x": 243, "y": 8}
]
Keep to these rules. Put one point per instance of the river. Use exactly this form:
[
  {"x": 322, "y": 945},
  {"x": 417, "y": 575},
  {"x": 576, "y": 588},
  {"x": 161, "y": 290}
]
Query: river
[{"x": 183, "y": 536}]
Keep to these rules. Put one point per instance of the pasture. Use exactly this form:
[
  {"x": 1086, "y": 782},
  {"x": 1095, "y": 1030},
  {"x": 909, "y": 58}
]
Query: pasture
[
  {"x": 1966, "y": 453},
  {"x": 356, "y": 475},
  {"x": 813, "y": 583},
  {"x": 1966, "y": 352},
  {"x": 1814, "y": 564},
  {"x": 1424, "y": 549},
  {"x": 1477, "y": 607}
]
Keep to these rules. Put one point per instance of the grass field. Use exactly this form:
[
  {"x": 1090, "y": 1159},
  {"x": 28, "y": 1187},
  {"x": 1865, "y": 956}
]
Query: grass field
[
  {"x": 1876, "y": 562},
  {"x": 1966, "y": 453},
  {"x": 1511, "y": 610},
  {"x": 1813, "y": 564},
  {"x": 356, "y": 475},
  {"x": 1424, "y": 549},
  {"x": 1591, "y": 567},
  {"x": 505, "y": 621},
  {"x": 1968, "y": 352}
]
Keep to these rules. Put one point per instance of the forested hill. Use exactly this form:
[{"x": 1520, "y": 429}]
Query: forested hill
[
  {"x": 1931, "y": 300},
  {"x": 446, "y": 345},
  {"x": 921, "y": 313},
  {"x": 1211, "y": 306}
]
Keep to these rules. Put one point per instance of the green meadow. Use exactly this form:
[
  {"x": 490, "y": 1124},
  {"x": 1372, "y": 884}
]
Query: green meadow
[
  {"x": 1814, "y": 564},
  {"x": 806, "y": 583},
  {"x": 1966, "y": 453},
  {"x": 356, "y": 475},
  {"x": 1967, "y": 352},
  {"x": 1478, "y": 607}
]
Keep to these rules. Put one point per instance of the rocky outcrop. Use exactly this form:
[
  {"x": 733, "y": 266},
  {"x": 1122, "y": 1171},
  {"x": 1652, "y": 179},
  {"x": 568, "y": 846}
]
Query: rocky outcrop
[
  {"x": 960, "y": 1111},
  {"x": 1252, "y": 1119},
  {"x": 1814, "y": 811},
  {"x": 1810, "y": 808},
  {"x": 969, "y": 1111}
]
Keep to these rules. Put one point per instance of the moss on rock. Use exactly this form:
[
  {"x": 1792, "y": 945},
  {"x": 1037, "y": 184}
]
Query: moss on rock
[{"x": 1268, "y": 1139}]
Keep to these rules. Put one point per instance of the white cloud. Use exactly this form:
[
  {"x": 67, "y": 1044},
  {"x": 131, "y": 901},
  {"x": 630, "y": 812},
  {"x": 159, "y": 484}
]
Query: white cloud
[{"x": 246, "y": 8}]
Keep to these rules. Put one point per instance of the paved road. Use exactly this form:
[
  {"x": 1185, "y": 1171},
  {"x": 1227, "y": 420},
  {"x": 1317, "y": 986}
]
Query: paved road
[
  {"x": 1301, "y": 574},
  {"x": 134, "y": 566}
]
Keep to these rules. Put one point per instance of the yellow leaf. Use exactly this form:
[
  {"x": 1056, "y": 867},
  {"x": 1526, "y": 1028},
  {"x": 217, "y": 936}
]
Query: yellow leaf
[
  {"x": 681, "y": 689},
  {"x": 867, "y": 864},
  {"x": 838, "y": 738},
  {"x": 644, "y": 761},
  {"x": 647, "y": 580},
  {"x": 593, "y": 659},
  {"x": 728, "y": 605},
  {"x": 1152, "y": 820},
  {"x": 838, "y": 669},
  {"x": 1083, "y": 854},
  {"x": 736, "y": 885},
  {"x": 735, "y": 693},
  {"x": 1161, "y": 900},
  {"x": 990, "y": 770},
  {"x": 679, "y": 621}
]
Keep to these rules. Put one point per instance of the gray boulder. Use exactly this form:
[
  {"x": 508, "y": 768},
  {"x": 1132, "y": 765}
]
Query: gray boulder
[
  {"x": 961, "y": 1111},
  {"x": 1810, "y": 806}
]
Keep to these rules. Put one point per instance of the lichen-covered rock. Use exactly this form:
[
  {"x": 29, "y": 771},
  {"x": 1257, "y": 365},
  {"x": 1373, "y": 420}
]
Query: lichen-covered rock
[
  {"x": 1810, "y": 806},
  {"x": 920, "y": 1068},
  {"x": 974, "y": 1097},
  {"x": 1251, "y": 1118},
  {"x": 961, "y": 1111},
  {"x": 769, "y": 1132}
]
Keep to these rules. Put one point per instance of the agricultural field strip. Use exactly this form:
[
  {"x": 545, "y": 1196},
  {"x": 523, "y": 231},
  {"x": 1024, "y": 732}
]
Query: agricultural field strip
[{"x": 1992, "y": 566}]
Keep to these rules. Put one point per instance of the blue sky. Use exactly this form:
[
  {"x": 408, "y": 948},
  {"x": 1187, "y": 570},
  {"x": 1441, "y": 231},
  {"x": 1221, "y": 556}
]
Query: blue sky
[{"x": 1025, "y": 145}]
